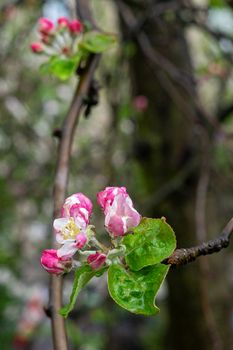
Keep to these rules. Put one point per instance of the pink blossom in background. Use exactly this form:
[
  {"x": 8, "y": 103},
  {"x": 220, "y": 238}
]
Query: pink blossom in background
[
  {"x": 106, "y": 197},
  {"x": 63, "y": 22},
  {"x": 46, "y": 26},
  {"x": 75, "y": 26},
  {"x": 37, "y": 47},
  {"x": 121, "y": 216},
  {"x": 140, "y": 103},
  {"x": 61, "y": 36},
  {"x": 77, "y": 205},
  {"x": 54, "y": 264},
  {"x": 96, "y": 260},
  {"x": 30, "y": 318},
  {"x": 9, "y": 12}
]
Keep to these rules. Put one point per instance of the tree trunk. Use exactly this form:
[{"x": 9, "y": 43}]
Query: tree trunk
[{"x": 165, "y": 146}]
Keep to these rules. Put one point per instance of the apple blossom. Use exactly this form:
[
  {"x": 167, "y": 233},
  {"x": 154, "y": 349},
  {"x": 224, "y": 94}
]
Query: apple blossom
[
  {"x": 106, "y": 197},
  {"x": 96, "y": 260},
  {"x": 46, "y": 26},
  {"x": 140, "y": 103},
  {"x": 80, "y": 240},
  {"x": 54, "y": 264},
  {"x": 121, "y": 215},
  {"x": 71, "y": 233},
  {"x": 71, "y": 246},
  {"x": 36, "y": 47},
  {"x": 77, "y": 205},
  {"x": 63, "y": 22},
  {"x": 75, "y": 26}
]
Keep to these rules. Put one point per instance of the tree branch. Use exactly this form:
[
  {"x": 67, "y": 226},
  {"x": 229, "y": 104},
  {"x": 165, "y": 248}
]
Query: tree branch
[
  {"x": 186, "y": 255},
  {"x": 168, "y": 73},
  {"x": 66, "y": 136},
  {"x": 84, "y": 12},
  {"x": 60, "y": 187}
]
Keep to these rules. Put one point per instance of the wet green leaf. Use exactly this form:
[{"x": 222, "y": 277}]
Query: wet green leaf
[
  {"x": 62, "y": 68},
  {"x": 136, "y": 291},
  {"x": 152, "y": 241},
  {"x": 82, "y": 276}
]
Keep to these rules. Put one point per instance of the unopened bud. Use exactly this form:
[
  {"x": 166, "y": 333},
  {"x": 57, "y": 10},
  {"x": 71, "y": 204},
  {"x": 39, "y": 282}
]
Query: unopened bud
[{"x": 37, "y": 47}]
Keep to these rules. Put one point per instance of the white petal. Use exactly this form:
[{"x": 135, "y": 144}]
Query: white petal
[
  {"x": 60, "y": 223},
  {"x": 68, "y": 249},
  {"x": 80, "y": 222},
  {"x": 59, "y": 238},
  {"x": 124, "y": 220}
]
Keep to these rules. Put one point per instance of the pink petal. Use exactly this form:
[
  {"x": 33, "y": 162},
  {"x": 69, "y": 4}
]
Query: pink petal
[{"x": 96, "y": 260}]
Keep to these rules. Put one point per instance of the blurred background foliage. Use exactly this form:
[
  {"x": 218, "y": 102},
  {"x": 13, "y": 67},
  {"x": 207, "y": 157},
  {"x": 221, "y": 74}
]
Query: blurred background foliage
[{"x": 163, "y": 127}]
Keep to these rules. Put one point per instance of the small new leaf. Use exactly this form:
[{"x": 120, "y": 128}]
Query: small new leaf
[
  {"x": 82, "y": 276},
  {"x": 152, "y": 241},
  {"x": 96, "y": 42},
  {"x": 62, "y": 68},
  {"x": 136, "y": 291}
]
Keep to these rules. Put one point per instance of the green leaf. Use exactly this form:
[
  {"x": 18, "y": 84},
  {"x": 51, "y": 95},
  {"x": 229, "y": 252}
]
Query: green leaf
[
  {"x": 97, "y": 42},
  {"x": 152, "y": 241},
  {"x": 82, "y": 276},
  {"x": 136, "y": 291},
  {"x": 62, "y": 68},
  {"x": 217, "y": 3}
]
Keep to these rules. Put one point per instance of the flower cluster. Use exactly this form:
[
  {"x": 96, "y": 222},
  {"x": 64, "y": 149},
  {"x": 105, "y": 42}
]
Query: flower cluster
[
  {"x": 59, "y": 38},
  {"x": 75, "y": 235}
]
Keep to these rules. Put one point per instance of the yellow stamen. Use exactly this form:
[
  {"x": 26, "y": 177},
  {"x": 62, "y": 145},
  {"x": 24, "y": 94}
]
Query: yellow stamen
[{"x": 71, "y": 230}]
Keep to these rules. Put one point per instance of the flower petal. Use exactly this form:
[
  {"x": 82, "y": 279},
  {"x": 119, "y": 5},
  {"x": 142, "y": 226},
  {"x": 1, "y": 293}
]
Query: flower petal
[
  {"x": 60, "y": 223},
  {"x": 67, "y": 250}
]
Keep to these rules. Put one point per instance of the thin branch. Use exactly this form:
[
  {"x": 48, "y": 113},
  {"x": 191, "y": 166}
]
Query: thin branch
[
  {"x": 168, "y": 70},
  {"x": 172, "y": 185},
  {"x": 84, "y": 13},
  {"x": 66, "y": 136},
  {"x": 60, "y": 187},
  {"x": 225, "y": 113},
  {"x": 186, "y": 255}
]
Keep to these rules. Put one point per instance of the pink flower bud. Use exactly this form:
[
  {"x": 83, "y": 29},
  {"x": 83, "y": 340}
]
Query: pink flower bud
[
  {"x": 121, "y": 216},
  {"x": 46, "y": 26},
  {"x": 106, "y": 197},
  {"x": 80, "y": 240},
  {"x": 140, "y": 103},
  {"x": 77, "y": 205},
  {"x": 96, "y": 260},
  {"x": 75, "y": 26},
  {"x": 63, "y": 22},
  {"x": 54, "y": 264},
  {"x": 37, "y": 47}
]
